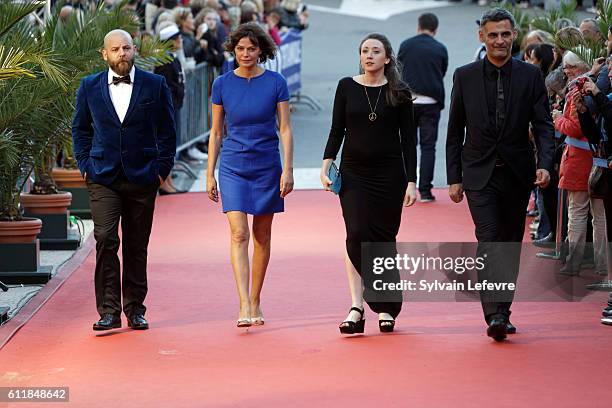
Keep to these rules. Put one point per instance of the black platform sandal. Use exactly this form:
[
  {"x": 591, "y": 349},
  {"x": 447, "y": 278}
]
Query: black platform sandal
[
  {"x": 350, "y": 327},
  {"x": 386, "y": 326}
]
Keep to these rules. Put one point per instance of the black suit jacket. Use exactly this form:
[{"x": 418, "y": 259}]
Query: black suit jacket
[
  {"x": 143, "y": 145},
  {"x": 424, "y": 63},
  {"x": 473, "y": 144}
]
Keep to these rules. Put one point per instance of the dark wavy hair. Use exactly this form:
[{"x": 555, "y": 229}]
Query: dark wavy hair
[
  {"x": 257, "y": 36},
  {"x": 544, "y": 53},
  {"x": 398, "y": 91}
]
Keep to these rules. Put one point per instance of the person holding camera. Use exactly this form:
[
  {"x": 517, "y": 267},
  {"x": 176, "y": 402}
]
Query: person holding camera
[
  {"x": 597, "y": 131},
  {"x": 576, "y": 165}
]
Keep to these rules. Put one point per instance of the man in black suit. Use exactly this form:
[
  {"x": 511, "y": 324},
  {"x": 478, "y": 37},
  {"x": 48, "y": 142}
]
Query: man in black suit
[
  {"x": 124, "y": 142},
  {"x": 497, "y": 100},
  {"x": 424, "y": 62}
]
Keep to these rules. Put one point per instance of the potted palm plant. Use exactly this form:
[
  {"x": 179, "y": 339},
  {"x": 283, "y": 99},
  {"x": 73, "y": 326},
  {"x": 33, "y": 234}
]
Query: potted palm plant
[{"x": 24, "y": 65}]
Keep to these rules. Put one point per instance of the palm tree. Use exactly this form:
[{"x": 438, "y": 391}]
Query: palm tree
[
  {"x": 19, "y": 55},
  {"x": 549, "y": 21},
  {"x": 23, "y": 64}
]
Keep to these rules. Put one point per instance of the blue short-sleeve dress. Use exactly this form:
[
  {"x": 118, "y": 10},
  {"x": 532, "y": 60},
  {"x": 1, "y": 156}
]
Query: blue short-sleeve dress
[{"x": 250, "y": 166}]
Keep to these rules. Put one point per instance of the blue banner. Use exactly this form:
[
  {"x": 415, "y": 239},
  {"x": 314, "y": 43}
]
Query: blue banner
[{"x": 291, "y": 59}]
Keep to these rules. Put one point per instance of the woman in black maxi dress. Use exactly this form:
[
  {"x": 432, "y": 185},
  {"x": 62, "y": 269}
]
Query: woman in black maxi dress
[{"x": 373, "y": 116}]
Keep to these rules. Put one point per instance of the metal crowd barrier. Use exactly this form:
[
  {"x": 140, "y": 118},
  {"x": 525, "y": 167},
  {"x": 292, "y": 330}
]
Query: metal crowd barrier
[{"x": 195, "y": 115}]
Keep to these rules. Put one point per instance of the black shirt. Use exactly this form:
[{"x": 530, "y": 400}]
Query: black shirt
[
  {"x": 371, "y": 146},
  {"x": 490, "y": 82}
]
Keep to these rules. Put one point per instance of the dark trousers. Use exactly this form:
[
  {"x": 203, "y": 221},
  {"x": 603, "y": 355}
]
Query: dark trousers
[
  {"x": 498, "y": 212},
  {"x": 133, "y": 206},
  {"x": 544, "y": 226},
  {"x": 550, "y": 200},
  {"x": 427, "y": 118}
]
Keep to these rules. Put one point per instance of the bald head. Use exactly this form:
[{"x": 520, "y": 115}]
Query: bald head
[
  {"x": 117, "y": 35},
  {"x": 119, "y": 51}
]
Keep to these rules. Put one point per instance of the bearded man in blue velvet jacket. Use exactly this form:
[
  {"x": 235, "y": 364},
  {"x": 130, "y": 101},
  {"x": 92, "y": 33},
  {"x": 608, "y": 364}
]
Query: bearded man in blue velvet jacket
[{"x": 124, "y": 142}]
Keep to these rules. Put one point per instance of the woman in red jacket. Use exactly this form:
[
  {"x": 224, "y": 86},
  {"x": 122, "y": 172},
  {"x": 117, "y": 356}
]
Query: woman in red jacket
[{"x": 576, "y": 165}]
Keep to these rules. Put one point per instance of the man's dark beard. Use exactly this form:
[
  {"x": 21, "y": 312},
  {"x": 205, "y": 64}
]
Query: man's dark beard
[{"x": 122, "y": 69}]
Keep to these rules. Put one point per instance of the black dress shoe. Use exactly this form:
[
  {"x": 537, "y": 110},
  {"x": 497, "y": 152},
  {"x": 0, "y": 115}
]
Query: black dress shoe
[
  {"x": 510, "y": 328},
  {"x": 107, "y": 321},
  {"x": 498, "y": 327},
  {"x": 138, "y": 322}
]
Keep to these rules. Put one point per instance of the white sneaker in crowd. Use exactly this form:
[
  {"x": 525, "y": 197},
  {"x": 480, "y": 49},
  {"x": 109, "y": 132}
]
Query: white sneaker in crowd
[{"x": 197, "y": 154}]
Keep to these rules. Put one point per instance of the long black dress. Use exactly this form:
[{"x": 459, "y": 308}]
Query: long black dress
[{"x": 378, "y": 161}]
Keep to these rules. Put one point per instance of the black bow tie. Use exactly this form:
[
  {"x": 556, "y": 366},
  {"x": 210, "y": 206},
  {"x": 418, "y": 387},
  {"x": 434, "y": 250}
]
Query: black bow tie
[{"x": 125, "y": 79}]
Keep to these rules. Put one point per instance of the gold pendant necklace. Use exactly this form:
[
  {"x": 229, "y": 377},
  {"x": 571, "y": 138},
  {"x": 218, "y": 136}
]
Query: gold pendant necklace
[{"x": 372, "y": 116}]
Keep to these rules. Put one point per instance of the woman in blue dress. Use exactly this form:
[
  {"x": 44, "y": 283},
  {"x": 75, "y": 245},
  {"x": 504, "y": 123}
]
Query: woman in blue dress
[{"x": 249, "y": 100}]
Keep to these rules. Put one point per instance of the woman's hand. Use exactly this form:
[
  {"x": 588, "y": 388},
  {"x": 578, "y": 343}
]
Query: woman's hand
[
  {"x": 211, "y": 189},
  {"x": 556, "y": 114},
  {"x": 411, "y": 194},
  {"x": 286, "y": 183},
  {"x": 325, "y": 181}
]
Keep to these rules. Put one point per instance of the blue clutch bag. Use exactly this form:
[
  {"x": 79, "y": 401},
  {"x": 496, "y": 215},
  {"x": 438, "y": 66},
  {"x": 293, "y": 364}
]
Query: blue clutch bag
[{"x": 336, "y": 178}]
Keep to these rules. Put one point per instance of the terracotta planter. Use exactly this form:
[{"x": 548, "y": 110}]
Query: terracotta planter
[
  {"x": 68, "y": 178},
  {"x": 18, "y": 232},
  {"x": 46, "y": 203}
]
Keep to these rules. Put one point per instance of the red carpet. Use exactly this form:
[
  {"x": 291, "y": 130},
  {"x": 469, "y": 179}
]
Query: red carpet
[{"x": 194, "y": 356}]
